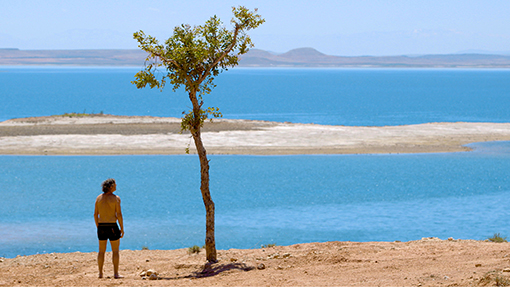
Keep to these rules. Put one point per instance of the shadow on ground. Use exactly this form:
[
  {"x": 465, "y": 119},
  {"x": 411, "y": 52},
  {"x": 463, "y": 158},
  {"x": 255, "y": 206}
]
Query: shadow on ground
[{"x": 209, "y": 270}]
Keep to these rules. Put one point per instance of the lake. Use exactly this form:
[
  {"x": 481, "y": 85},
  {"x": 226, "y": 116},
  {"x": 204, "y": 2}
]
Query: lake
[
  {"x": 353, "y": 97},
  {"x": 48, "y": 202}
]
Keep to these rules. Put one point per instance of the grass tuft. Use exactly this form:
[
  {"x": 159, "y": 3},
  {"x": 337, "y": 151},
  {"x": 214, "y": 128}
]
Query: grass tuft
[
  {"x": 268, "y": 245},
  {"x": 80, "y": 115},
  {"x": 497, "y": 238},
  {"x": 494, "y": 278},
  {"x": 194, "y": 249}
]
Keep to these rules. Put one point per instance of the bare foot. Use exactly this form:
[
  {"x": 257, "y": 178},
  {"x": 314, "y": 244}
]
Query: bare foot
[
  {"x": 100, "y": 275},
  {"x": 118, "y": 276}
]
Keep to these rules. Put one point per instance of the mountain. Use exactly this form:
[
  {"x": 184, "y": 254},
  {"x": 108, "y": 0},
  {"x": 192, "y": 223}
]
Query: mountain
[
  {"x": 302, "y": 57},
  {"x": 484, "y": 52},
  {"x": 309, "y": 57}
]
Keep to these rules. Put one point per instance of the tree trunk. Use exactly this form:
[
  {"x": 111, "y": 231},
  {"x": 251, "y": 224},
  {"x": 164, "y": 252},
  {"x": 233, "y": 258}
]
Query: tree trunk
[{"x": 210, "y": 242}]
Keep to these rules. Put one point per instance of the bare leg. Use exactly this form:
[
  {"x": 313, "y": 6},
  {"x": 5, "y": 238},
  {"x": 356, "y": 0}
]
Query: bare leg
[
  {"x": 115, "y": 257},
  {"x": 100, "y": 256}
]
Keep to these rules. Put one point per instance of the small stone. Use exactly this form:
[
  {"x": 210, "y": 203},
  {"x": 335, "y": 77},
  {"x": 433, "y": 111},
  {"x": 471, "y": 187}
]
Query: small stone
[
  {"x": 233, "y": 260},
  {"x": 147, "y": 260},
  {"x": 150, "y": 272},
  {"x": 478, "y": 265},
  {"x": 261, "y": 266},
  {"x": 506, "y": 270},
  {"x": 143, "y": 273},
  {"x": 286, "y": 255},
  {"x": 450, "y": 238},
  {"x": 153, "y": 276}
]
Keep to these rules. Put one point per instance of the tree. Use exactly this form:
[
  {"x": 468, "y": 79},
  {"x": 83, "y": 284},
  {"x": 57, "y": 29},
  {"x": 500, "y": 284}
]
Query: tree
[{"x": 193, "y": 57}]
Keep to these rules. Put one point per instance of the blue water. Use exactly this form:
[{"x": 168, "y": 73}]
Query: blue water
[
  {"x": 355, "y": 97},
  {"x": 47, "y": 202}
]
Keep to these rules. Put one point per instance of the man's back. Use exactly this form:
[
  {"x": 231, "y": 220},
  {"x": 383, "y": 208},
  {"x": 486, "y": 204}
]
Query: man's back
[{"x": 106, "y": 205}]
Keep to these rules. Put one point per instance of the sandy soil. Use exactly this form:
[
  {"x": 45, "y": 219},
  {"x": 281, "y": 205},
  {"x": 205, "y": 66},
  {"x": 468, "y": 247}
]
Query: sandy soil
[
  {"x": 426, "y": 262},
  {"x": 110, "y": 135}
]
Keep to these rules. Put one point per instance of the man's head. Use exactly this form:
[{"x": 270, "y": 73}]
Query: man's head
[{"x": 108, "y": 184}]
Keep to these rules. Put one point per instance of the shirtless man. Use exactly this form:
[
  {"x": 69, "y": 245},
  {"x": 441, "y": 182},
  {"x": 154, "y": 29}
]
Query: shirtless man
[{"x": 106, "y": 213}]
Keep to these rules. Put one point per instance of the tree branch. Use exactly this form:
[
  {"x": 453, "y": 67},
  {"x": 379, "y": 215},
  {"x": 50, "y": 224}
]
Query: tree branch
[
  {"x": 207, "y": 72},
  {"x": 164, "y": 60}
]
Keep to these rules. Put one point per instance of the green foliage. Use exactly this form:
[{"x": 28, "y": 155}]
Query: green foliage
[
  {"x": 497, "y": 238},
  {"x": 494, "y": 278},
  {"x": 188, "y": 120},
  {"x": 194, "y": 249},
  {"x": 79, "y": 115},
  {"x": 501, "y": 281},
  {"x": 194, "y": 56},
  {"x": 268, "y": 245},
  {"x": 145, "y": 247}
]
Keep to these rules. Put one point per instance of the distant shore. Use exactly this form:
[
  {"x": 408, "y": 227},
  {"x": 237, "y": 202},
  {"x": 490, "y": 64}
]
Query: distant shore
[
  {"x": 116, "y": 135},
  {"x": 426, "y": 262},
  {"x": 297, "y": 58}
]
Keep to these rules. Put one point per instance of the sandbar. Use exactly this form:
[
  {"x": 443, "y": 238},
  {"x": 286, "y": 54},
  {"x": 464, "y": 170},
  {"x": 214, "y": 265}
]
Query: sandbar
[{"x": 125, "y": 135}]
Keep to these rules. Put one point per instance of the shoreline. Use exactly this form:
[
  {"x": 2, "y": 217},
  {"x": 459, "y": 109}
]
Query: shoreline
[
  {"x": 137, "y": 135},
  {"x": 426, "y": 262}
]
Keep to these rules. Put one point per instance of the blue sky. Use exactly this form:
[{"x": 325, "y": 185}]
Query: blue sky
[{"x": 346, "y": 28}]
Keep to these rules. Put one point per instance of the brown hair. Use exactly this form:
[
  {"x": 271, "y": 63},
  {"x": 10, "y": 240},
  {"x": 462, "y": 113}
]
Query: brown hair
[{"x": 107, "y": 184}]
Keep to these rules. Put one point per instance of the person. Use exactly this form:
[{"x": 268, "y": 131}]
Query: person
[{"x": 106, "y": 214}]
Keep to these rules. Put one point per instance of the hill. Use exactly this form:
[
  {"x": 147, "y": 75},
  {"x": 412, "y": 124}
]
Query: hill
[
  {"x": 309, "y": 57},
  {"x": 302, "y": 57},
  {"x": 72, "y": 57}
]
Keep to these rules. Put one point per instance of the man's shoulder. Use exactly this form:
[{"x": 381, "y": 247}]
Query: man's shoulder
[{"x": 112, "y": 196}]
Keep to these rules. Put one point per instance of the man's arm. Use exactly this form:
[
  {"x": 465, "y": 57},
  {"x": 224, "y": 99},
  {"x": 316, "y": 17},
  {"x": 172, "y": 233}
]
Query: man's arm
[
  {"x": 118, "y": 213},
  {"x": 96, "y": 214}
]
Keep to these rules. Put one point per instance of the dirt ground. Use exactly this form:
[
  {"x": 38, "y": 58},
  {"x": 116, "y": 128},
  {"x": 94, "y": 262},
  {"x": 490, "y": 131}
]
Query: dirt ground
[{"x": 426, "y": 262}]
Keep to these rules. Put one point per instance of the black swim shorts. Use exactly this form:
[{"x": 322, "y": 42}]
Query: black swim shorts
[{"x": 107, "y": 231}]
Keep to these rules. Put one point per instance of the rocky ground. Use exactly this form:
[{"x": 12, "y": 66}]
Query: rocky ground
[{"x": 426, "y": 262}]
